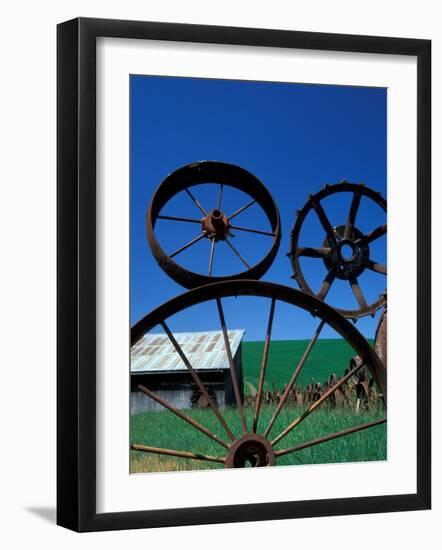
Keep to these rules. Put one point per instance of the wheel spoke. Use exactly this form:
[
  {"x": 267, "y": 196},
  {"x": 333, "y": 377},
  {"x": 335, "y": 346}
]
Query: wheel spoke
[
  {"x": 258, "y": 231},
  {"x": 265, "y": 354},
  {"x": 317, "y": 403},
  {"x": 187, "y": 245},
  {"x": 213, "y": 405},
  {"x": 376, "y": 233},
  {"x": 294, "y": 377},
  {"x": 181, "y": 415},
  {"x": 325, "y": 222},
  {"x": 212, "y": 253},
  {"x": 330, "y": 437},
  {"x": 241, "y": 209},
  {"x": 356, "y": 201},
  {"x": 321, "y": 252},
  {"x": 231, "y": 365},
  {"x": 179, "y": 454},
  {"x": 325, "y": 287},
  {"x": 220, "y": 198},
  {"x": 357, "y": 291},
  {"x": 197, "y": 203},
  {"x": 378, "y": 268},
  {"x": 178, "y": 219},
  {"x": 235, "y": 251}
]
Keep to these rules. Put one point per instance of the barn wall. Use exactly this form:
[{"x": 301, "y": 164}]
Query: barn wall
[
  {"x": 180, "y": 399},
  {"x": 176, "y": 388}
]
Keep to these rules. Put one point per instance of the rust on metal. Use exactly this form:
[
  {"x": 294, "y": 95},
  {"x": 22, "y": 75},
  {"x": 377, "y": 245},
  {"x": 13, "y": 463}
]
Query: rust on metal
[
  {"x": 380, "y": 341},
  {"x": 211, "y": 402},
  {"x": 264, "y": 359},
  {"x": 256, "y": 449},
  {"x": 264, "y": 289},
  {"x": 179, "y": 454},
  {"x": 215, "y": 224},
  {"x": 380, "y": 347},
  {"x": 316, "y": 404},
  {"x": 250, "y": 450},
  {"x": 330, "y": 437},
  {"x": 183, "y": 416},
  {"x": 238, "y": 396},
  {"x": 345, "y": 251},
  {"x": 294, "y": 377}
]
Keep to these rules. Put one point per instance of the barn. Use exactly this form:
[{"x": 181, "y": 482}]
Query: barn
[{"x": 156, "y": 364}]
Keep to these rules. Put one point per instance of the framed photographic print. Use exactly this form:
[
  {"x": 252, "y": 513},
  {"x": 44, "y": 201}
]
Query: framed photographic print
[{"x": 223, "y": 196}]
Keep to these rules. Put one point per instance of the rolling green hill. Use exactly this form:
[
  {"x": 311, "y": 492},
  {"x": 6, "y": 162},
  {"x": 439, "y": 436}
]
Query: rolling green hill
[{"x": 327, "y": 357}]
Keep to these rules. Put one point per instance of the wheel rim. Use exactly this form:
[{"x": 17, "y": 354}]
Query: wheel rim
[
  {"x": 215, "y": 224},
  {"x": 336, "y": 238},
  {"x": 252, "y": 448}
]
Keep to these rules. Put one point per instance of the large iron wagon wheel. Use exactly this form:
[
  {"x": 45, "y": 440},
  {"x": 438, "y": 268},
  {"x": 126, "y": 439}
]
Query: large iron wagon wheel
[
  {"x": 345, "y": 250},
  {"x": 213, "y": 224},
  {"x": 253, "y": 448}
]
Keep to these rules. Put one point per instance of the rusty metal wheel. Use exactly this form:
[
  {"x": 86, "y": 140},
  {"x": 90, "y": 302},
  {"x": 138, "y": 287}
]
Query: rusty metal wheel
[
  {"x": 380, "y": 339},
  {"x": 255, "y": 447},
  {"x": 213, "y": 224},
  {"x": 345, "y": 250}
]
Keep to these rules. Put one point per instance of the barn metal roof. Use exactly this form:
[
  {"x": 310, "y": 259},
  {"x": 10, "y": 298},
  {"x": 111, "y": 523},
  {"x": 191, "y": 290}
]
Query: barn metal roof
[{"x": 204, "y": 350}]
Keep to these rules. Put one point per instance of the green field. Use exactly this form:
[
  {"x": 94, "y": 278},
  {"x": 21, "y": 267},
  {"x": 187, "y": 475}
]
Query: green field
[
  {"x": 163, "y": 429},
  {"x": 326, "y": 357}
]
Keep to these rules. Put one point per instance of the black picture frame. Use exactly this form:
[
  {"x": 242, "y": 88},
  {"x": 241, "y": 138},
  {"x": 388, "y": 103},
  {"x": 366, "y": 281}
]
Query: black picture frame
[{"x": 76, "y": 273}]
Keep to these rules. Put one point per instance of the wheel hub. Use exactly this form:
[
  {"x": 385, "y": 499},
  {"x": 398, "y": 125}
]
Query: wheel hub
[
  {"x": 216, "y": 225},
  {"x": 349, "y": 256},
  {"x": 250, "y": 450}
]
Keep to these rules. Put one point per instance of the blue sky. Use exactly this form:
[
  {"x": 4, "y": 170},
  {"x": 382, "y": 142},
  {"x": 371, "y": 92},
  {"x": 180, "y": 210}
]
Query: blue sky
[{"x": 294, "y": 138}]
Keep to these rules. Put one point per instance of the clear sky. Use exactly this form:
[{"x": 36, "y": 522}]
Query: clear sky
[{"x": 294, "y": 138}]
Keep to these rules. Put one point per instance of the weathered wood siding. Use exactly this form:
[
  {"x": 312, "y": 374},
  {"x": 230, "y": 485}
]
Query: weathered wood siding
[
  {"x": 180, "y": 398},
  {"x": 178, "y": 388}
]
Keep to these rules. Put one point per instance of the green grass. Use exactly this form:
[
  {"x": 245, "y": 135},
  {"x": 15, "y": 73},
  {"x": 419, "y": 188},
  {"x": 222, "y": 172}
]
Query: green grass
[
  {"x": 163, "y": 429},
  {"x": 327, "y": 357}
]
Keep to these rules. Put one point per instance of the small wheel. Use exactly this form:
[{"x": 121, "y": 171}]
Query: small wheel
[
  {"x": 254, "y": 446},
  {"x": 345, "y": 250},
  {"x": 215, "y": 224}
]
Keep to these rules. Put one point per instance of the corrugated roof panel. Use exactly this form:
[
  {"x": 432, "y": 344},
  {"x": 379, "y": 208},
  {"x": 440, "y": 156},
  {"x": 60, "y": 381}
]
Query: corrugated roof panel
[{"x": 204, "y": 350}]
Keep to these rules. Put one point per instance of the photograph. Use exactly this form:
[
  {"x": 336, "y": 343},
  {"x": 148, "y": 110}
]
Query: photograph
[
  {"x": 258, "y": 274},
  {"x": 201, "y": 205},
  {"x": 223, "y": 238}
]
